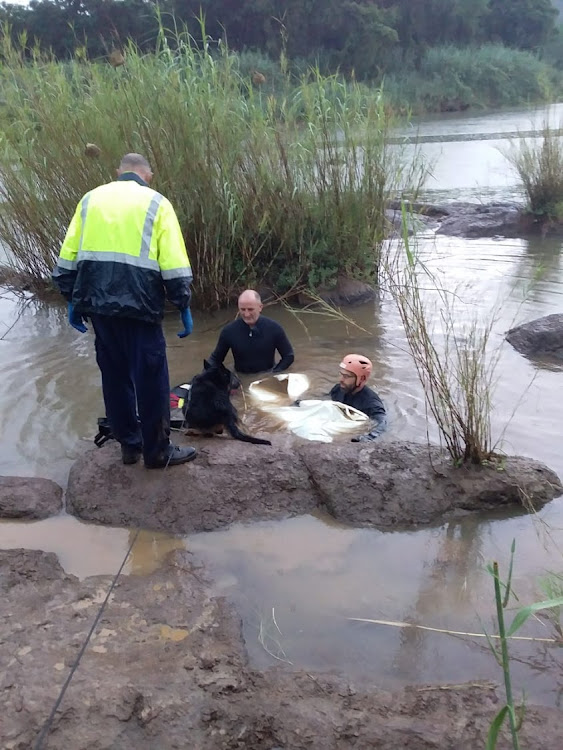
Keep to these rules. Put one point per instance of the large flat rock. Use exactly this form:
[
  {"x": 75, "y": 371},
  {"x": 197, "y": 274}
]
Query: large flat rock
[
  {"x": 229, "y": 481},
  {"x": 482, "y": 220},
  {"x": 166, "y": 670},
  {"x": 539, "y": 337},
  {"x": 29, "y": 497},
  {"x": 385, "y": 485}
]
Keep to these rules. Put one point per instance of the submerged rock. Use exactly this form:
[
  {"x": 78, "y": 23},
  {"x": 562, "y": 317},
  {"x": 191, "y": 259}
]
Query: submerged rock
[
  {"x": 28, "y": 497},
  {"x": 347, "y": 291},
  {"x": 496, "y": 219},
  {"x": 385, "y": 485},
  {"x": 540, "y": 337},
  {"x": 482, "y": 220},
  {"x": 166, "y": 668}
]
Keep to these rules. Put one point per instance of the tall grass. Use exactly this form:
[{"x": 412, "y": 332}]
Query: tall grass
[
  {"x": 452, "y": 78},
  {"x": 539, "y": 164},
  {"x": 452, "y": 360},
  {"x": 270, "y": 191}
]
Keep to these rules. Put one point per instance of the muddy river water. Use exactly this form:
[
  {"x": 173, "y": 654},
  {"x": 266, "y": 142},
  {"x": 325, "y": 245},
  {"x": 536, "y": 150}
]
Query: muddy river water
[{"x": 297, "y": 582}]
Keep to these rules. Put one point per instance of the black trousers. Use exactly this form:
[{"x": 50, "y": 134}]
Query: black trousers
[{"x": 131, "y": 356}]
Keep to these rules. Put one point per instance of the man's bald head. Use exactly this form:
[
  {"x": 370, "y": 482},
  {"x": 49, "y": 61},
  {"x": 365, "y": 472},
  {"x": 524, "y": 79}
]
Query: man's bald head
[
  {"x": 250, "y": 306},
  {"x": 249, "y": 295},
  {"x": 135, "y": 163}
]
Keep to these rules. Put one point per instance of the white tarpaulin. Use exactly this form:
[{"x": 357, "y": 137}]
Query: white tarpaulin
[
  {"x": 312, "y": 419},
  {"x": 319, "y": 420},
  {"x": 280, "y": 388}
]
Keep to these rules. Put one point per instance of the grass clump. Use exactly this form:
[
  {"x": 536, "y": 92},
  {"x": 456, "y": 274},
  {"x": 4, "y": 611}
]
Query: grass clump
[
  {"x": 539, "y": 165},
  {"x": 280, "y": 191},
  {"x": 452, "y": 360}
]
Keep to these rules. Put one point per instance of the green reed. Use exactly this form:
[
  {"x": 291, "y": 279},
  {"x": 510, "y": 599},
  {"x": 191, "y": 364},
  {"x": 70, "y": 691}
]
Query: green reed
[
  {"x": 280, "y": 190},
  {"x": 503, "y": 592}
]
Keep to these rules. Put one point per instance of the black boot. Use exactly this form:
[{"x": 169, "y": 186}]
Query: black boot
[
  {"x": 130, "y": 454},
  {"x": 174, "y": 455}
]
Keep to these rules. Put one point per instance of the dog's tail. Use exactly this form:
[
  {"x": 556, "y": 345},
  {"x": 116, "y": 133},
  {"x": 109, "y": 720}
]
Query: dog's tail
[{"x": 238, "y": 435}]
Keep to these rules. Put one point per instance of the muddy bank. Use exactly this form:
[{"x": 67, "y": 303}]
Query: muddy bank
[
  {"x": 166, "y": 669},
  {"x": 385, "y": 485}
]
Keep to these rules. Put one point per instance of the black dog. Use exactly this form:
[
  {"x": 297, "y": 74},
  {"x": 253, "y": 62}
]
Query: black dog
[{"x": 208, "y": 408}]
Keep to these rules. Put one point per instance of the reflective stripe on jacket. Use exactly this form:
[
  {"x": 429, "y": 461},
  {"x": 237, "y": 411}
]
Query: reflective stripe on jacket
[{"x": 122, "y": 253}]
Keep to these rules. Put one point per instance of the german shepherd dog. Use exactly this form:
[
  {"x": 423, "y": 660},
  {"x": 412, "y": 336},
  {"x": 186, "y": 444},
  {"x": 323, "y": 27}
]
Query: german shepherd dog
[{"x": 208, "y": 408}]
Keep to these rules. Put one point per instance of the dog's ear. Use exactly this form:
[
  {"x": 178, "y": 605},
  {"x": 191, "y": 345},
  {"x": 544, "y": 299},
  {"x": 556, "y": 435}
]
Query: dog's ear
[{"x": 206, "y": 365}]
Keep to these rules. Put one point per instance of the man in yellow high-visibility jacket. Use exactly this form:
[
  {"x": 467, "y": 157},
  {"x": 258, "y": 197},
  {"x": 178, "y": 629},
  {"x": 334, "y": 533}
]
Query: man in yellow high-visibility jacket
[{"x": 122, "y": 254}]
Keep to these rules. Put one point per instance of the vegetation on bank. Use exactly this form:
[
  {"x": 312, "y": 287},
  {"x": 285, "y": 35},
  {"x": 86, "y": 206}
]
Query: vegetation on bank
[
  {"x": 453, "y": 79},
  {"x": 287, "y": 191},
  {"x": 447, "y": 79},
  {"x": 539, "y": 165},
  {"x": 431, "y": 56}
]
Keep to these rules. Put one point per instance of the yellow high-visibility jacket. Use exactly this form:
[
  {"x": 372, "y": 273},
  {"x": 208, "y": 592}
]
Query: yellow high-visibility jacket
[{"x": 123, "y": 253}]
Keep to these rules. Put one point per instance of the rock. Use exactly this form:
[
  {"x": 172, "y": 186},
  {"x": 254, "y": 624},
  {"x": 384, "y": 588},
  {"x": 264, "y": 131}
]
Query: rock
[
  {"x": 229, "y": 481},
  {"x": 347, "y": 291},
  {"x": 384, "y": 485},
  {"x": 542, "y": 337},
  {"x": 477, "y": 220},
  {"x": 27, "y": 497},
  {"x": 140, "y": 687},
  {"x": 416, "y": 221},
  {"x": 391, "y": 485},
  {"x": 464, "y": 219},
  {"x": 432, "y": 210}
]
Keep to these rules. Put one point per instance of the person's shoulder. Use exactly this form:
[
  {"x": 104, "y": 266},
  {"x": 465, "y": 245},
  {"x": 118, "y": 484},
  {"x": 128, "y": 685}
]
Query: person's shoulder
[
  {"x": 266, "y": 322},
  {"x": 371, "y": 395},
  {"x": 370, "y": 392}
]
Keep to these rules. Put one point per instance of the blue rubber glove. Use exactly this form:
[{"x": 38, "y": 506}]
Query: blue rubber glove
[
  {"x": 75, "y": 319},
  {"x": 188, "y": 323}
]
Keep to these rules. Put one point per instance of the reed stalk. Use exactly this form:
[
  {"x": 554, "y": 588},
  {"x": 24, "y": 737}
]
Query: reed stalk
[{"x": 280, "y": 190}]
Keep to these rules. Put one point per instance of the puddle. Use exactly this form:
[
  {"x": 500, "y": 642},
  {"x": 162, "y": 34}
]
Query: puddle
[
  {"x": 296, "y": 583},
  {"x": 88, "y": 550}
]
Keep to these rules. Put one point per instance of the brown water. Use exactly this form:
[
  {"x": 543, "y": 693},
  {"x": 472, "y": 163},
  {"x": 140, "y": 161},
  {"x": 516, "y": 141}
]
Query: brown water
[{"x": 298, "y": 581}]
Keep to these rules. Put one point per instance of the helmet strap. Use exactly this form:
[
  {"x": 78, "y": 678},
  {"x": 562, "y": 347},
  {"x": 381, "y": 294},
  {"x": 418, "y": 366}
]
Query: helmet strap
[{"x": 361, "y": 384}]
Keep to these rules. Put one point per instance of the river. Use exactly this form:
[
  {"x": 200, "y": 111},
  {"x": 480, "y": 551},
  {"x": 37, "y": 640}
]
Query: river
[{"x": 296, "y": 582}]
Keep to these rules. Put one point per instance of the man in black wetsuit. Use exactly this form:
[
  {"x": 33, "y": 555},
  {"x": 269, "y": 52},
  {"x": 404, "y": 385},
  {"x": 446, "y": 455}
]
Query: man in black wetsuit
[
  {"x": 352, "y": 390},
  {"x": 253, "y": 339}
]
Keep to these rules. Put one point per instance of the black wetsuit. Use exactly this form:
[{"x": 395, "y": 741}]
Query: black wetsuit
[
  {"x": 366, "y": 401},
  {"x": 254, "y": 348}
]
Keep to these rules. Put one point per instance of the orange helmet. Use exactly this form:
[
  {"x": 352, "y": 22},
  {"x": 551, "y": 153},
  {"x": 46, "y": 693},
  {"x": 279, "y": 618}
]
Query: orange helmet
[{"x": 359, "y": 365}]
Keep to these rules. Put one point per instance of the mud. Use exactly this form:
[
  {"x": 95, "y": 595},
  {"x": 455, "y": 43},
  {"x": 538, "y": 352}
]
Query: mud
[
  {"x": 384, "y": 485},
  {"x": 166, "y": 668}
]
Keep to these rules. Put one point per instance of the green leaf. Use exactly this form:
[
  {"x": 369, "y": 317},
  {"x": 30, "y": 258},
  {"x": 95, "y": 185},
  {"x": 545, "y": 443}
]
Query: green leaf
[
  {"x": 509, "y": 581},
  {"x": 494, "y": 729},
  {"x": 523, "y": 614}
]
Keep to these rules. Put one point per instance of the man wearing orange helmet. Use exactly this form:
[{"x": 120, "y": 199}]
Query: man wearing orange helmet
[{"x": 352, "y": 390}]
